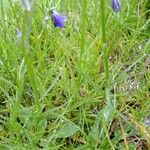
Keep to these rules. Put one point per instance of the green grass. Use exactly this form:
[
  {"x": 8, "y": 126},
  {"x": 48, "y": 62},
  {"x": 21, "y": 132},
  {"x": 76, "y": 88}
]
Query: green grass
[{"x": 83, "y": 87}]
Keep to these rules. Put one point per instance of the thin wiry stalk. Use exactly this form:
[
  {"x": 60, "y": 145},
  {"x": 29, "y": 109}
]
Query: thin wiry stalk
[{"x": 105, "y": 56}]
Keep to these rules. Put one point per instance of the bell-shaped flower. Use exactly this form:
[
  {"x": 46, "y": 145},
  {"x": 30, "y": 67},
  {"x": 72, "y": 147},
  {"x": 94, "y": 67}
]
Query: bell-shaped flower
[
  {"x": 116, "y": 5},
  {"x": 58, "y": 19}
]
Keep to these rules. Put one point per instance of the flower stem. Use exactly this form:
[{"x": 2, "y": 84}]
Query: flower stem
[
  {"x": 82, "y": 58},
  {"x": 107, "y": 110},
  {"x": 103, "y": 31}
]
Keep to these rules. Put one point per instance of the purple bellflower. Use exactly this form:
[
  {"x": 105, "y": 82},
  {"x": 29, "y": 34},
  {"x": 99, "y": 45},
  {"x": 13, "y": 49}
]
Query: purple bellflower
[
  {"x": 58, "y": 19},
  {"x": 116, "y": 5}
]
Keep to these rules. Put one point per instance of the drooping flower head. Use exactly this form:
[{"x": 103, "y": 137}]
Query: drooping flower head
[
  {"x": 18, "y": 33},
  {"x": 116, "y": 5},
  {"x": 26, "y": 4},
  {"x": 58, "y": 19},
  {"x": 18, "y": 36}
]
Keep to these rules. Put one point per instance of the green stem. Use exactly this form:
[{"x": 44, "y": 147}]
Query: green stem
[
  {"x": 107, "y": 110},
  {"x": 84, "y": 13},
  {"x": 105, "y": 52},
  {"x": 102, "y": 8},
  {"x": 82, "y": 59},
  {"x": 26, "y": 29}
]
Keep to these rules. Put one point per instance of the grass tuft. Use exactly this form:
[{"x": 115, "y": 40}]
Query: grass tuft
[{"x": 86, "y": 86}]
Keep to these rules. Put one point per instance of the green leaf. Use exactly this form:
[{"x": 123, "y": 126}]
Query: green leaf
[
  {"x": 41, "y": 126},
  {"x": 67, "y": 129}
]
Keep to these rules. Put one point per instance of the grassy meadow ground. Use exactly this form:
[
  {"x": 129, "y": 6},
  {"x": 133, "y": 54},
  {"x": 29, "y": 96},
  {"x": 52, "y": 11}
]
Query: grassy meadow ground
[{"x": 84, "y": 87}]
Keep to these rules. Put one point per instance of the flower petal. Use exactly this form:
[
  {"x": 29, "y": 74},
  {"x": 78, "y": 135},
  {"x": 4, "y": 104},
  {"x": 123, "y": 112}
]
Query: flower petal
[
  {"x": 116, "y": 5},
  {"x": 59, "y": 19}
]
